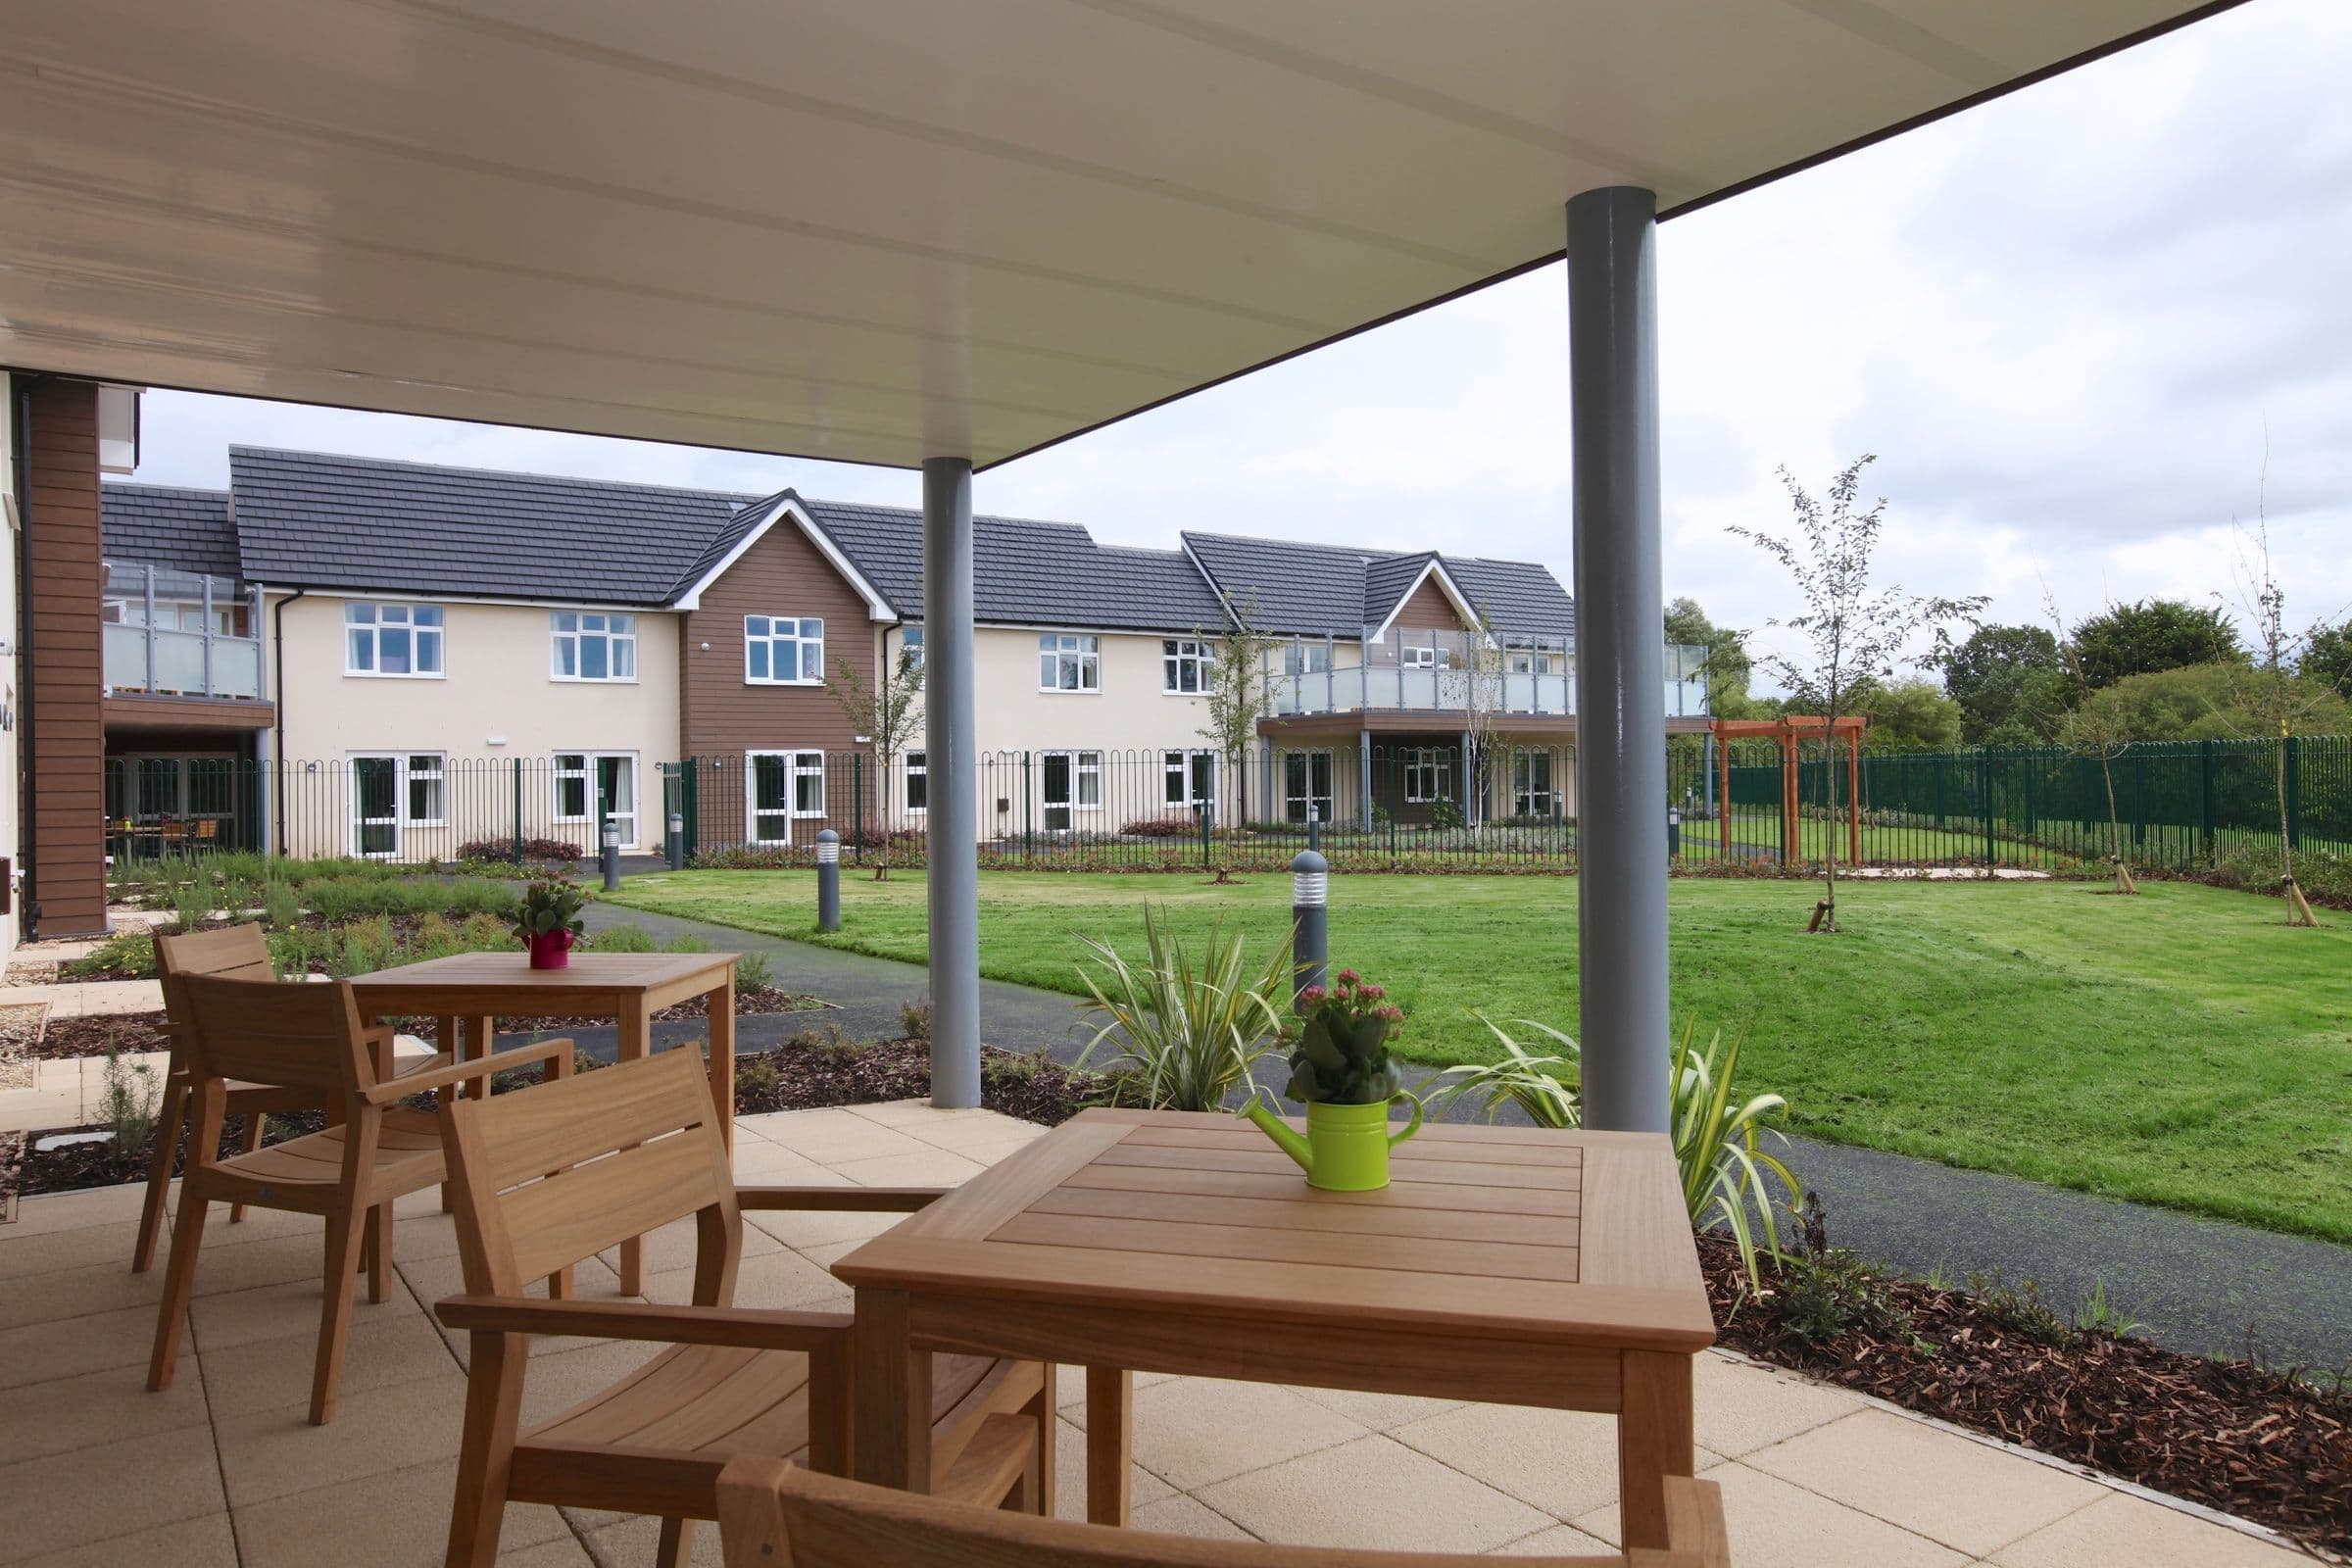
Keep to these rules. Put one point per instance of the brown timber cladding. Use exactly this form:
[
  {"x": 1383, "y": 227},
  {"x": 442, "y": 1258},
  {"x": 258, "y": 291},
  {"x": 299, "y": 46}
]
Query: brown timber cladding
[
  {"x": 63, "y": 550},
  {"x": 1429, "y": 610},
  {"x": 722, "y": 716}
]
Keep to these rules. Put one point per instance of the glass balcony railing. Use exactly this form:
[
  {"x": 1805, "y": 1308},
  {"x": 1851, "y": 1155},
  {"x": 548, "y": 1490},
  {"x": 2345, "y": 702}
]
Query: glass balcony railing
[
  {"x": 180, "y": 633},
  {"x": 1401, "y": 688}
]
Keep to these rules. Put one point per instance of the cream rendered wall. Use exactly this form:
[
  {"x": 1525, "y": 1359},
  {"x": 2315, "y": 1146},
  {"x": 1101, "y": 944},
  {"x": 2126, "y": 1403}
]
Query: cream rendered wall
[{"x": 495, "y": 701}]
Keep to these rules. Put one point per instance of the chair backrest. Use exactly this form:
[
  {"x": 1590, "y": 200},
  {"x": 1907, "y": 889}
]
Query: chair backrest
[
  {"x": 559, "y": 1172},
  {"x": 777, "y": 1515},
  {"x": 241, "y": 952},
  {"x": 262, "y": 1032}
]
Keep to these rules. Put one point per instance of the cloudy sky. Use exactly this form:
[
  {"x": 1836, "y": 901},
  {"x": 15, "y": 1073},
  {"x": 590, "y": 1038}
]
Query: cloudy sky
[{"x": 2071, "y": 323}]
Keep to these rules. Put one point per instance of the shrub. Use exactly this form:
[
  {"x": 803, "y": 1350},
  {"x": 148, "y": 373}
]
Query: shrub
[
  {"x": 914, "y": 1017},
  {"x": 555, "y": 850},
  {"x": 1819, "y": 1291},
  {"x": 1445, "y": 816},
  {"x": 191, "y": 905},
  {"x": 622, "y": 938},
  {"x": 1174, "y": 825},
  {"x": 1190, "y": 1023},
  {"x": 759, "y": 1077},
  {"x": 127, "y": 1105},
  {"x": 129, "y": 953},
  {"x": 687, "y": 941},
  {"x": 752, "y": 972},
  {"x": 281, "y": 907}
]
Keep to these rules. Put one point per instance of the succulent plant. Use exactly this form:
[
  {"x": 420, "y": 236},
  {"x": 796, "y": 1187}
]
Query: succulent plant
[
  {"x": 551, "y": 905},
  {"x": 1341, "y": 1058}
]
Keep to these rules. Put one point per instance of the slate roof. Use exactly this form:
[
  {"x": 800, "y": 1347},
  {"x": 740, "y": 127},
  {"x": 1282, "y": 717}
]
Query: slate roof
[
  {"x": 1335, "y": 591},
  {"x": 317, "y": 520},
  {"x": 1027, "y": 573},
  {"x": 158, "y": 525},
  {"x": 321, "y": 521}
]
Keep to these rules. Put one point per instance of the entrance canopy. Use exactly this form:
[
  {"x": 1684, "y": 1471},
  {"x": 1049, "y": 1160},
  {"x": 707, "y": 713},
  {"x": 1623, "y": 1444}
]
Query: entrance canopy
[{"x": 878, "y": 232}]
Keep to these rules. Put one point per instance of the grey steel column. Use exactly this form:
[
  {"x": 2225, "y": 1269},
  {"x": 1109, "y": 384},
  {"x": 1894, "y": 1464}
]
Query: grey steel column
[
  {"x": 1624, "y": 1026},
  {"x": 953, "y": 827}
]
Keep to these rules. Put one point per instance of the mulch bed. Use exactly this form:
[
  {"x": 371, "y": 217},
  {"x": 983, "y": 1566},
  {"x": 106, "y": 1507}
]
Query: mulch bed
[
  {"x": 89, "y": 1034},
  {"x": 748, "y": 1002},
  {"x": 2244, "y": 1440},
  {"x": 1033, "y": 1088}
]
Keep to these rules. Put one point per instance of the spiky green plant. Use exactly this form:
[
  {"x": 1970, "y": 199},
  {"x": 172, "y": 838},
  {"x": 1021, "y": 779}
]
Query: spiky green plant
[
  {"x": 1185, "y": 1028},
  {"x": 1728, "y": 1175}
]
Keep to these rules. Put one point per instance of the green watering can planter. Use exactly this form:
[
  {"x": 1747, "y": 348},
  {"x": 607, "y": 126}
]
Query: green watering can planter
[{"x": 1342, "y": 1070}]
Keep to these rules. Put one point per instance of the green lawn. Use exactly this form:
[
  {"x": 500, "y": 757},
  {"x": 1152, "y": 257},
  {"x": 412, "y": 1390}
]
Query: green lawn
[{"x": 2181, "y": 1048}]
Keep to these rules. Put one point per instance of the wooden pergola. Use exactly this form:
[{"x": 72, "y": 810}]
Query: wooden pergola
[{"x": 1790, "y": 730}]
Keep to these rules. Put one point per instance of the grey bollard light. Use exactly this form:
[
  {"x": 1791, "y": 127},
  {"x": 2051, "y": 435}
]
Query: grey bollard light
[
  {"x": 611, "y": 856},
  {"x": 1673, "y": 833},
  {"x": 1314, "y": 834},
  {"x": 677, "y": 841},
  {"x": 828, "y": 880},
  {"x": 1310, "y": 910}
]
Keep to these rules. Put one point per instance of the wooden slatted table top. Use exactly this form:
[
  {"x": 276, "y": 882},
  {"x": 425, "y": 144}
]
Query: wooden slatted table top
[
  {"x": 1575, "y": 1237},
  {"x": 506, "y": 981}
]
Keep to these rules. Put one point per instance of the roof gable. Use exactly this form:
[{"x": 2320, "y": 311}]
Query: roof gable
[
  {"x": 1337, "y": 591},
  {"x": 158, "y": 525}
]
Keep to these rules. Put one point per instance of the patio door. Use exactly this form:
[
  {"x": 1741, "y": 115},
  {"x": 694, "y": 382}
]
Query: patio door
[
  {"x": 375, "y": 806},
  {"x": 616, "y": 787},
  {"x": 1306, "y": 786},
  {"x": 1055, "y": 774}
]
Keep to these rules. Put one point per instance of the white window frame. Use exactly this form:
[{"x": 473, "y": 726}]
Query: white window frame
[
  {"x": 1183, "y": 767},
  {"x": 797, "y": 766},
  {"x": 379, "y": 617},
  {"x": 1182, "y": 655},
  {"x": 436, "y": 773},
  {"x": 917, "y": 764},
  {"x": 616, "y": 630},
  {"x": 1054, "y": 647},
  {"x": 628, "y": 815},
  {"x": 801, "y": 641},
  {"x": 1302, "y": 657},
  {"x": 1524, "y": 792},
  {"x": 1317, "y": 808},
  {"x": 911, "y": 641},
  {"x": 1082, "y": 766},
  {"x": 1432, "y": 762}
]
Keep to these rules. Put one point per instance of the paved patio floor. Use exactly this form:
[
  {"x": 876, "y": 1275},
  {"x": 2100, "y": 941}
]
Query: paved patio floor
[{"x": 224, "y": 1469}]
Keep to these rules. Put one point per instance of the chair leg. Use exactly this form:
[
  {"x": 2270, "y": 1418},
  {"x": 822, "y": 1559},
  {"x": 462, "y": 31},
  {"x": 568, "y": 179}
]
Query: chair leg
[
  {"x": 1040, "y": 1492},
  {"x": 494, "y": 1368},
  {"x": 379, "y": 1254},
  {"x": 344, "y": 1238},
  {"x": 180, "y": 1282},
  {"x": 676, "y": 1543},
  {"x": 167, "y": 1128},
  {"x": 256, "y": 1126}
]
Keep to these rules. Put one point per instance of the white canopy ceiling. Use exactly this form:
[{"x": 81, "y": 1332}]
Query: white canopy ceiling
[{"x": 877, "y": 230}]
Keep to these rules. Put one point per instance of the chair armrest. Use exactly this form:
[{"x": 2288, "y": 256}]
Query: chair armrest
[
  {"x": 854, "y": 1199},
  {"x": 393, "y": 1090},
  {"x": 741, "y": 1328}
]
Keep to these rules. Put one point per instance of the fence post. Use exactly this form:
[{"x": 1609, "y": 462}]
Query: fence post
[
  {"x": 857, "y": 806},
  {"x": 2294, "y": 791},
  {"x": 828, "y": 880},
  {"x": 1984, "y": 776},
  {"x": 2030, "y": 820},
  {"x": 519, "y": 810},
  {"x": 1310, "y": 898},
  {"x": 2212, "y": 827},
  {"x": 1028, "y": 827}
]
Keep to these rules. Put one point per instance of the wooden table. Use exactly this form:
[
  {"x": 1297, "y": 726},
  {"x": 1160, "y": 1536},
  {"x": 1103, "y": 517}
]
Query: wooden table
[
  {"x": 1502, "y": 1263},
  {"x": 469, "y": 991}
]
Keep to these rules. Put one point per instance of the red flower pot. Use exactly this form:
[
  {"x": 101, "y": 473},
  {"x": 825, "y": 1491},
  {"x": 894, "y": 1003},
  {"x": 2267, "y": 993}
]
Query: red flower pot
[{"x": 550, "y": 950}]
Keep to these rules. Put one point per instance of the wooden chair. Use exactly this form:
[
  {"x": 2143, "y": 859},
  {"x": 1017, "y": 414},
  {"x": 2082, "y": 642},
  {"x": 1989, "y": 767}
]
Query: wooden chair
[
  {"x": 241, "y": 952},
  {"x": 777, "y": 1515},
  {"x": 632, "y": 1148},
  {"x": 308, "y": 1037}
]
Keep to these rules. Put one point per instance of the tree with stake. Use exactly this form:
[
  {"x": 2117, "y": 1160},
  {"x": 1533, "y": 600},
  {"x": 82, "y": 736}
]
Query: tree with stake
[
  {"x": 1233, "y": 692},
  {"x": 2093, "y": 729},
  {"x": 1854, "y": 634},
  {"x": 2274, "y": 695},
  {"x": 1475, "y": 685},
  {"x": 887, "y": 713}
]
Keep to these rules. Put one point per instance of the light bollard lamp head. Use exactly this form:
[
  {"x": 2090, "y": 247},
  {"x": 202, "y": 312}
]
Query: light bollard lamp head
[
  {"x": 1310, "y": 920},
  {"x": 828, "y": 880}
]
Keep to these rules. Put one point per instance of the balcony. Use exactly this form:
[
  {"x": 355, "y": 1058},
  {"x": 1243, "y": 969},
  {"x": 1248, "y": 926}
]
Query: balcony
[
  {"x": 179, "y": 634},
  {"x": 1435, "y": 674}
]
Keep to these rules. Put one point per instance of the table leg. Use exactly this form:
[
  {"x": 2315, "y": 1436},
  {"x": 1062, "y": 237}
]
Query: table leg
[
  {"x": 889, "y": 1433},
  {"x": 723, "y": 1058},
  {"x": 449, "y": 1035},
  {"x": 1654, "y": 1440},
  {"x": 1110, "y": 1442},
  {"x": 636, "y": 1031}
]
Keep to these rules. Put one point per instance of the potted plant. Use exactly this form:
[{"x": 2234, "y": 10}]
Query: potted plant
[
  {"x": 548, "y": 919},
  {"x": 1341, "y": 1071}
]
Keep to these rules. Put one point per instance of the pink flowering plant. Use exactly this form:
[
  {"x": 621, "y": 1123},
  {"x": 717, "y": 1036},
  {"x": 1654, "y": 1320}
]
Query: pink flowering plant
[{"x": 1341, "y": 1058}]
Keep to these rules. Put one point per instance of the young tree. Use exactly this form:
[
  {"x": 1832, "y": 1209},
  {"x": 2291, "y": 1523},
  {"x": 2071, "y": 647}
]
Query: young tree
[
  {"x": 1474, "y": 684},
  {"x": 2093, "y": 728},
  {"x": 887, "y": 713},
  {"x": 1853, "y": 632},
  {"x": 2281, "y": 702},
  {"x": 1233, "y": 690}
]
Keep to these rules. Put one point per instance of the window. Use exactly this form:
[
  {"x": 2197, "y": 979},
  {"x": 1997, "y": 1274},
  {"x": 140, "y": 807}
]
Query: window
[
  {"x": 1069, "y": 662},
  {"x": 1305, "y": 659},
  {"x": 572, "y": 787},
  {"x": 1541, "y": 657},
  {"x": 780, "y": 651},
  {"x": 425, "y": 793},
  {"x": 1186, "y": 665},
  {"x": 1428, "y": 775},
  {"x": 910, "y": 646},
  {"x": 1073, "y": 782},
  {"x": 918, "y": 782},
  {"x": 1428, "y": 657},
  {"x": 1307, "y": 787},
  {"x": 783, "y": 785},
  {"x": 592, "y": 647},
  {"x": 391, "y": 639},
  {"x": 1191, "y": 778},
  {"x": 1531, "y": 794}
]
